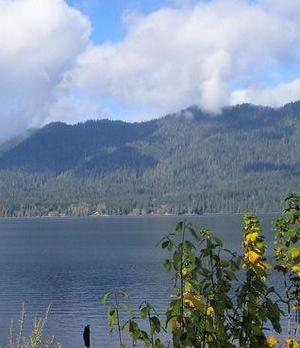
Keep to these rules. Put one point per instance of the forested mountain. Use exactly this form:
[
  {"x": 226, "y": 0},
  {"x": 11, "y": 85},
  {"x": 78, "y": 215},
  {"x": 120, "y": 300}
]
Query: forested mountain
[{"x": 246, "y": 158}]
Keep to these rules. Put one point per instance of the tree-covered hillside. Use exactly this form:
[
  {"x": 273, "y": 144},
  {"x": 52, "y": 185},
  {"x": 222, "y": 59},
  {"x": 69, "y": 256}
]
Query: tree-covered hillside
[{"x": 246, "y": 158}]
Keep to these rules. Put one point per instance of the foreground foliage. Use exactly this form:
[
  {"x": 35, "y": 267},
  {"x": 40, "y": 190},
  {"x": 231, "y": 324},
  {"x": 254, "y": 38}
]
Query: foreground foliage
[
  {"x": 17, "y": 339},
  {"x": 221, "y": 299}
]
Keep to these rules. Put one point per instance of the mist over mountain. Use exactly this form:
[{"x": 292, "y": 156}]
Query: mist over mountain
[{"x": 246, "y": 158}]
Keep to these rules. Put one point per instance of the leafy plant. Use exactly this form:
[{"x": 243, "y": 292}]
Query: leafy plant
[
  {"x": 287, "y": 255},
  {"x": 130, "y": 323},
  {"x": 199, "y": 312},
  {"x": 255, "y": 306},
  {"x": 221, "y": 299}
]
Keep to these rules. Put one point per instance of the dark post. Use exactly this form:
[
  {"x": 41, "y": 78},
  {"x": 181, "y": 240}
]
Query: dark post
[{"x": 86, "y": 336}]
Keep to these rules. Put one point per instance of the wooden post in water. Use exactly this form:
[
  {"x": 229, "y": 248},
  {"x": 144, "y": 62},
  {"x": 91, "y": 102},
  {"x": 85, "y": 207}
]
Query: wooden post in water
[{"x": 86, "y": 336}]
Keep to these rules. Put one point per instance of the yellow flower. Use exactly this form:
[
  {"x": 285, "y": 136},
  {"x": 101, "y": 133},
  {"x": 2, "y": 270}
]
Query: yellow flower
[
  {"x": 192, "y": 301},
  {"x": 252, "y": 256},
  {"x": 251, "y": 238},
  {"x": 210, "y": 311},
  {"x": 279, "y": 251},
  {"x": 185, "y": 271},
  {"x": 272, "y": 341},
  {"x": 173, "y": 324},
  {"x": 292, "y": 343},
  {"x": 296, "y": 269},
  {"x": 295, "y": 253}
]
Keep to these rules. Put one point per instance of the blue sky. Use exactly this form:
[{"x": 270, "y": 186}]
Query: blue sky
[
  {"x": 166, "y": 56},
  {"x": 107, "y": 15}
]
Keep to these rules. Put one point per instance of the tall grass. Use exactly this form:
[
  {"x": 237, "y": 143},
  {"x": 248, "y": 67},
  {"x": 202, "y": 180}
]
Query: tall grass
[{"x": 18, "y": 339}]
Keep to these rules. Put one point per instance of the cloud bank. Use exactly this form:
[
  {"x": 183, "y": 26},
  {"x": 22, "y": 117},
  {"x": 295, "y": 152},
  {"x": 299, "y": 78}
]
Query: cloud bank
[
  {"x": 211, "y": 53},
  {"x": 39, "y": 40},
  {"x": 195, "y": 55}
]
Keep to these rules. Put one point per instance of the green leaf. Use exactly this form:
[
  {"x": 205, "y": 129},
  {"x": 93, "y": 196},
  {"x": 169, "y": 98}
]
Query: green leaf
[
  {"x": 134, "y": 330},
  {"x": 159, "y": 344},
  {"x": 180, "y": 227},
  {"x": 273, "y": 313},
  {"x": 219, "y": 242},
  {"x": 177, "y": 259},
  {"x": 165, "y": 244},
  {"x": 167, "y": 265},
  {"x": 106, "y": 298},
  {"x": 145, "y": 337},
  {"x": 144, "y": 312},
  {"x": 224, "y": 263},
  {"x": 112, "y": 318},
  {"x": 155, "y": 324}
]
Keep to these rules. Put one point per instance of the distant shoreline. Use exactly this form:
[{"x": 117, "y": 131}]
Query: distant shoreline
[{"x": 130, "y": 216}]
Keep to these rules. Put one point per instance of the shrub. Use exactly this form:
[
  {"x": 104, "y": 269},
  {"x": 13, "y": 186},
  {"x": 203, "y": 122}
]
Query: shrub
[{"x": 221, "y": 299}]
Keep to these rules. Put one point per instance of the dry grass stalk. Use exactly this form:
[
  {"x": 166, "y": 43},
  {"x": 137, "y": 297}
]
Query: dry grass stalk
[{"x": 35, "y": 340}]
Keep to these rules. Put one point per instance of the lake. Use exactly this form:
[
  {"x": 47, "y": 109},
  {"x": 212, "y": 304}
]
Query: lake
[{"x": 70, "y": 263}]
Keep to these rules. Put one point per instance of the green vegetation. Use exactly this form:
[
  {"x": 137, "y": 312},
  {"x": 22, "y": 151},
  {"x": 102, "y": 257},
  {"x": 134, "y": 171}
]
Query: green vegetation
[
  {"x": 221, "y": 299},
  {"x": 189, "y": 162}
]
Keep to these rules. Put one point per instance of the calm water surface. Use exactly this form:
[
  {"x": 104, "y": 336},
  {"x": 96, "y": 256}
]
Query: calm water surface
[{"x": 70, "y": 263}]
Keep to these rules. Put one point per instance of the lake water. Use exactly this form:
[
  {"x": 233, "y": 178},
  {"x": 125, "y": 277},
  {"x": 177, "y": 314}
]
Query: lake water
[{"x": 70, "y": 263}]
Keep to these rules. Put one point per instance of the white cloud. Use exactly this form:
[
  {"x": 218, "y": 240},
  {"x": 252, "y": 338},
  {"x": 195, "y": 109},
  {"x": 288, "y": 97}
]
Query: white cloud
[
  {"x": 39, "y": 40},
  {"x": 277, "y": 96},
  {"x": 195, "y": 53},
  {"x": 176, "y": 57}
]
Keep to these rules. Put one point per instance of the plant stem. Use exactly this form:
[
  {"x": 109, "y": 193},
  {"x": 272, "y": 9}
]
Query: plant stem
[
  {"x": 182, "y": 282},
  {"x": 151, "y": 331},
  {"x": 118, "y": 320},
  {"x": 288, "y": 306}
]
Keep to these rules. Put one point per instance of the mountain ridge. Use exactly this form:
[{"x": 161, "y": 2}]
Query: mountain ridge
[{"x": 245, "y": 158}]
